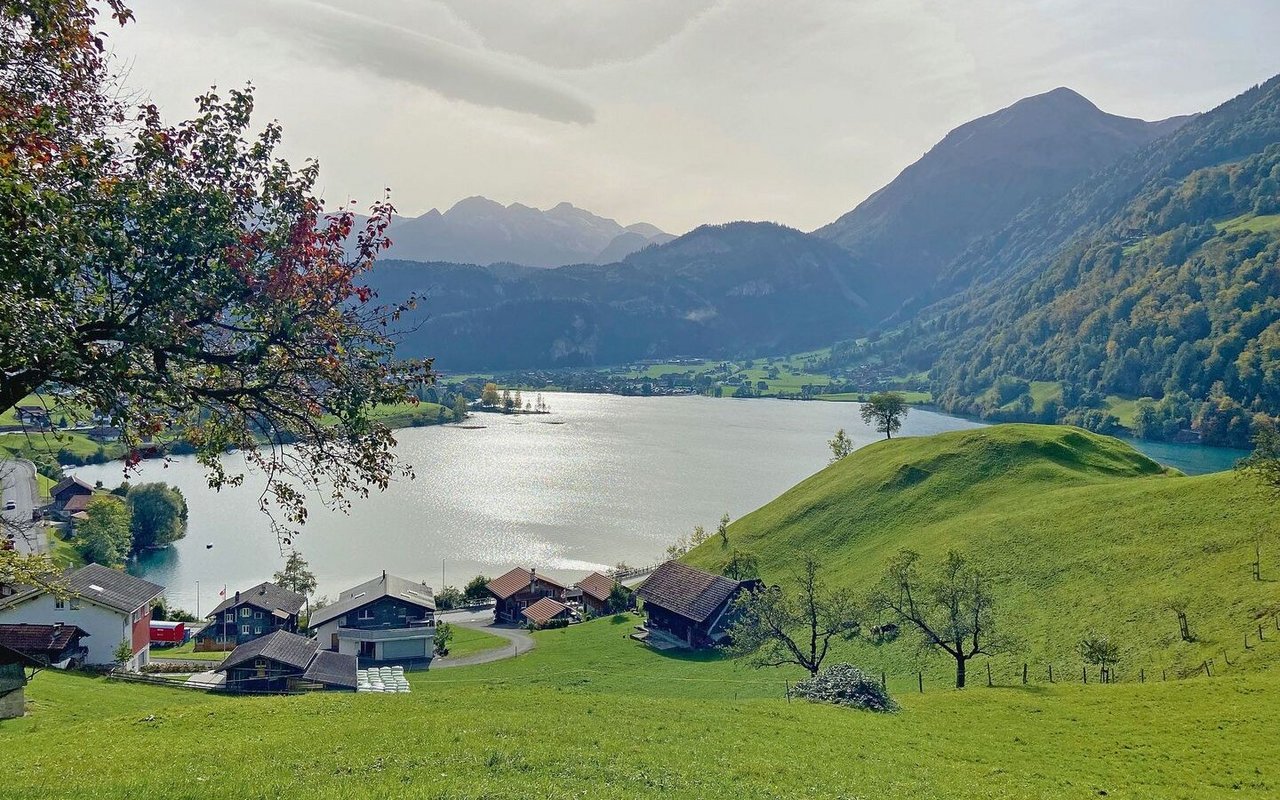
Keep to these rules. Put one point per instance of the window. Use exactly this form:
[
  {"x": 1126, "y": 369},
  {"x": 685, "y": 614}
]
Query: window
[
  {"x": 58, "y": 602},
  {"x": 75, "y": 604},
  {"x": 245, "y": 629},
  {"x": 257, "y": 615},
  {"x": 245, "y": 612},
  {"x": 366, "y": 613},
  {"x": 257, "y": 629},
  {"x": 404, "y": 612},
  {"x": 230, "y": 616},
  {"x": 261, "y": 666},
  {"x": 137, "y": 617}
]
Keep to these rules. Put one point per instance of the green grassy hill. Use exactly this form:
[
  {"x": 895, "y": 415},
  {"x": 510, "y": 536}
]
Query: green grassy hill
[
  {"x": 1082, "y": 532},
  {"x": 591, "y": 713}
]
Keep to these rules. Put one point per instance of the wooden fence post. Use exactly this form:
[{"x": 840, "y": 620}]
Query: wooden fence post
[
  {"x": 1260, "y": 634},
  {"x": 1142, "y": 675},
  {"x": 989, "y": 683},
  {"x": 1024, "y": 673},
  {"x": 1224, "y": 657},
  {"x": 884, "y": 681},
  {"x": 1050, "y": 673},
  {"x": 1246, "y": 642},
  {"x": 1084, "y": 674},
  {"x": 787, "y": 684},
  {"x": 920, "y": 680}
]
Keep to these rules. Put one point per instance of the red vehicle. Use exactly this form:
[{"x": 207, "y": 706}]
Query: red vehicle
[{"x": 168, "y": 634}]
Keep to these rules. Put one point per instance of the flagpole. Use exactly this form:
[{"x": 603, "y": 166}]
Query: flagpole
[{"x": 197, "y": 599}]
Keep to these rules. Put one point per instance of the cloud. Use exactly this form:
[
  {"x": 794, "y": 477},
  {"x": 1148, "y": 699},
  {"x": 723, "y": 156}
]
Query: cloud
[{"x": 403, "y": 54}]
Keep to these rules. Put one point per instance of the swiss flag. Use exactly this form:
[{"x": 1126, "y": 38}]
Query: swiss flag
[{"x": 223, "y": 593}]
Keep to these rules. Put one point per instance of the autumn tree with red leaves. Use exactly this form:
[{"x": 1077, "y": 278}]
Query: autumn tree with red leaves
[{"x": 182, "y": 279}]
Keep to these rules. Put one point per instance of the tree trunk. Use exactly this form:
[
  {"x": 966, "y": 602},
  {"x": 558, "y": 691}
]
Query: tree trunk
[{"x": 960, "y": 673}]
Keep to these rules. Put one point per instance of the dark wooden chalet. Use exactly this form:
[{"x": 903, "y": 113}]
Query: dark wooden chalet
[
  {"x": 286, "y": 662},
  {"x": 689, "y": 605},
  {"x": 387, "y": 620},
  {"x": 68, "y": 496},
  {"x": 55, "y": 645},
  {"x": 264, "y": 609},
  {"x": 517, "y": 590},
  {"x": 13, "y": 682},
  {"x": 595, "y": 590}
]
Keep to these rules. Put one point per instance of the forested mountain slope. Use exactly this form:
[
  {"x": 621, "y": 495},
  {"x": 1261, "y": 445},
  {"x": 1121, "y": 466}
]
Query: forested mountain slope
[
  {"x": 1158, "y": 277},
  {"x": 979, "y": 177}
]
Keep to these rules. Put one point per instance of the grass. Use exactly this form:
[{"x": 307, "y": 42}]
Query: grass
[
  {"x": 1124, "y": 409},
  {"x": 1081, "y": 532},
  {"x": 591, "y": 713},
  {"x": 187, "y": 652},
  {"x": 63, "y": 553},
  {"x": 469, "y": 641},
  {"x": 915, "y": 398},
  {"x": 1252, "y": 223}
]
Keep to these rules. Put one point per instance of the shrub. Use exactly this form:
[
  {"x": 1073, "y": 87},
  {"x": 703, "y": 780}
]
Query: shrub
[{"x": 845, "y": 685}]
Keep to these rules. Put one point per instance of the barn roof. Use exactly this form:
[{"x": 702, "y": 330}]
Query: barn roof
[
  {"x": 28, "y": 638},
  {"x": 597, "y": 586},
  {"x": 332, "y": 669},
  {"x": 266, "y": 596},
  {"x": 686, "y": 591},
  {"x": 67, "y": 483},
  {"x": 512, "y": 582},
  {"x": 76, "y": 503},
  {"x": 545, "y": 610},
  {"x": 281, "y": 646}
]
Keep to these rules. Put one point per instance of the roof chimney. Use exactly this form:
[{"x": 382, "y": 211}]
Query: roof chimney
[
  {"x": 533, "y": 578},
  {"x": 237, "y": 595},
  {"x": 384, "y": 576}
]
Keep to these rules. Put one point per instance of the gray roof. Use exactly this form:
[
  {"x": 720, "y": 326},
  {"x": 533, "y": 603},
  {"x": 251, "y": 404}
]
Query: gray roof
[
  {"x": 689, "y": 592},
  {"x": 102, "y": 585},
  {"x": 332, "y": 669},
  {"x": 266, "y": 596},
  {"x": 385, "y": 585},
  {"x": 282, "y": 646}
]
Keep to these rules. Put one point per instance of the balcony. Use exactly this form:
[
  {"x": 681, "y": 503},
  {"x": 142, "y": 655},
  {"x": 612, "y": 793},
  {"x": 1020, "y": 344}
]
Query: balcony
[{"x": 415, "y": 629}]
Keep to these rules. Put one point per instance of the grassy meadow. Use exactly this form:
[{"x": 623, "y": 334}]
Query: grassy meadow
[{"x": 1081, "y": 532}]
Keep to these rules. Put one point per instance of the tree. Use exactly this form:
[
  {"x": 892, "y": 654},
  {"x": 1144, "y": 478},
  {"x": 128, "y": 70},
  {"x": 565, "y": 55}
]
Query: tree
[
  {"x": 158, "y": 515},
  {"x": 841, "y": 446},
  {"x": 518, "y": 400},
  {"x": 296, "y": 576},
  {"x": 507, "y": 402},
  {"x": 183, "y": 280},
  {"x": 698, "y": 536},
  {"x": 122, "y": 654},
  {"x": 448, "y": 597},
  {"x": 489, "y": 397},
  {"x": 460, "y": 409},
  {"x": 620, "y": 599},
  {"x": 953, "y": 613},
  {"x": 723, "y": 528},
  {"x": 103, "y": 537},
  {"x": 1179, "y": 604},
  {"x": 444, "y": 633},
  {"x": 885, "y": 411},
  {"x": 741, "y": 565},
  {"x": 1100, "y": 652},
  {"x": 476, "y": 589},
  {"x": 773, "y": 627}
]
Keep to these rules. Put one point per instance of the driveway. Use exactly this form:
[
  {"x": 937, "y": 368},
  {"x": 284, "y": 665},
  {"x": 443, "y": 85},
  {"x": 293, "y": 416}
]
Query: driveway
[
  {"x": 18, "y": 485},
  {"x": 518, "y": 639}
]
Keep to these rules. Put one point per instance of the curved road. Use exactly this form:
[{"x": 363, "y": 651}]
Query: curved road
[{"x": 519, "y": 640}]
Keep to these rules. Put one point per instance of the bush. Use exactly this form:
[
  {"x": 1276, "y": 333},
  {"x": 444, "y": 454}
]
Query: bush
[
  {"x": 448, "y": 598},
  {"x": 845, "y": 685}
]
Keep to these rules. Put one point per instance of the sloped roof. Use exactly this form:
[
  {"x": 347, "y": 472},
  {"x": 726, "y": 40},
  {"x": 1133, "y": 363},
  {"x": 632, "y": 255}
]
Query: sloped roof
[
  {"x": 77, "y": 503},
  {"x": 332, "y": 669},
  {"x": 266, "y": 596},
  {"x": 417, "y": 594},
  {"x": 597, "y": 586},
  {"x": 512, "y": 582},
  {"x": 28, "y": 638},
  {"x": 544, "y": 611},
  {"x": 67, "y": 483},
  {"x": 113, "y": 588},
  {"x": 282, "y": 646},
  {"x": 689, "y": 592}
]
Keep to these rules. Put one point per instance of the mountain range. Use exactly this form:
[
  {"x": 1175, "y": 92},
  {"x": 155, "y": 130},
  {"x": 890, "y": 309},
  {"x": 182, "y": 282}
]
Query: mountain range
[
  {"x": 478, "y": 230},
  {"x": 1049, "y": 241}
]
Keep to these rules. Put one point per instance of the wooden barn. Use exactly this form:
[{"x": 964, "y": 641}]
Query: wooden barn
[
  {"x": 517, "y": 590},
  {"x": 690, "y": 606}
]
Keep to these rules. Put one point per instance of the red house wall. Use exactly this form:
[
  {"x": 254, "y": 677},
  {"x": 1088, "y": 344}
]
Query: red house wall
[{"x": 142, "y": 630}]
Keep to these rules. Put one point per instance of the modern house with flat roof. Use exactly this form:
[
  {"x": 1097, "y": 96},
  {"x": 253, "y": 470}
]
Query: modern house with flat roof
[
  {"x": 387, "y": 620},
  {"x": 107, "y": 604}
]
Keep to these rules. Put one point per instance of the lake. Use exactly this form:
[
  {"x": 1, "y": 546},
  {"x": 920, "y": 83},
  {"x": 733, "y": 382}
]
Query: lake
[{"x": 603, "y": 479}]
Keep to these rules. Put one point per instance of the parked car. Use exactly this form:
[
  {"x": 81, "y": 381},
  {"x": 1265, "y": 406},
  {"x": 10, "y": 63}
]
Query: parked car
[{"x": 10, "y": 505}]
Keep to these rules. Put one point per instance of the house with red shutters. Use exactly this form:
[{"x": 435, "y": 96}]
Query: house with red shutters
[{"x": 107, "y": 604}]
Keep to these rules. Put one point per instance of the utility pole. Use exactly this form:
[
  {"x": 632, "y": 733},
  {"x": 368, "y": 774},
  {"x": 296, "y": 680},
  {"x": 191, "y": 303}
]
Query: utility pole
[{"x": 197, "y": 599}]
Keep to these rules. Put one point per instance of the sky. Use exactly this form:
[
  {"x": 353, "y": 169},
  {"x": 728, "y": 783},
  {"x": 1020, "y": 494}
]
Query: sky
[{"x": 673, "y": 112}]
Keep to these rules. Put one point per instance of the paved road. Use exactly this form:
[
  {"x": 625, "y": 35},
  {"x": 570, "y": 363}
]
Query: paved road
[
  {"x": 18, "y": 479},
  {"x": 519, "y": 640}
]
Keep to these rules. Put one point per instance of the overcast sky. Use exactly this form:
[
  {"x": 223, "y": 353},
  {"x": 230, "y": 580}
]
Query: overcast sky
[{"x": 675, "y": 112}]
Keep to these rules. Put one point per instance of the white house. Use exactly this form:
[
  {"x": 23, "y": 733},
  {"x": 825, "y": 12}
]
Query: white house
[{"x": 108, "y": 604}]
